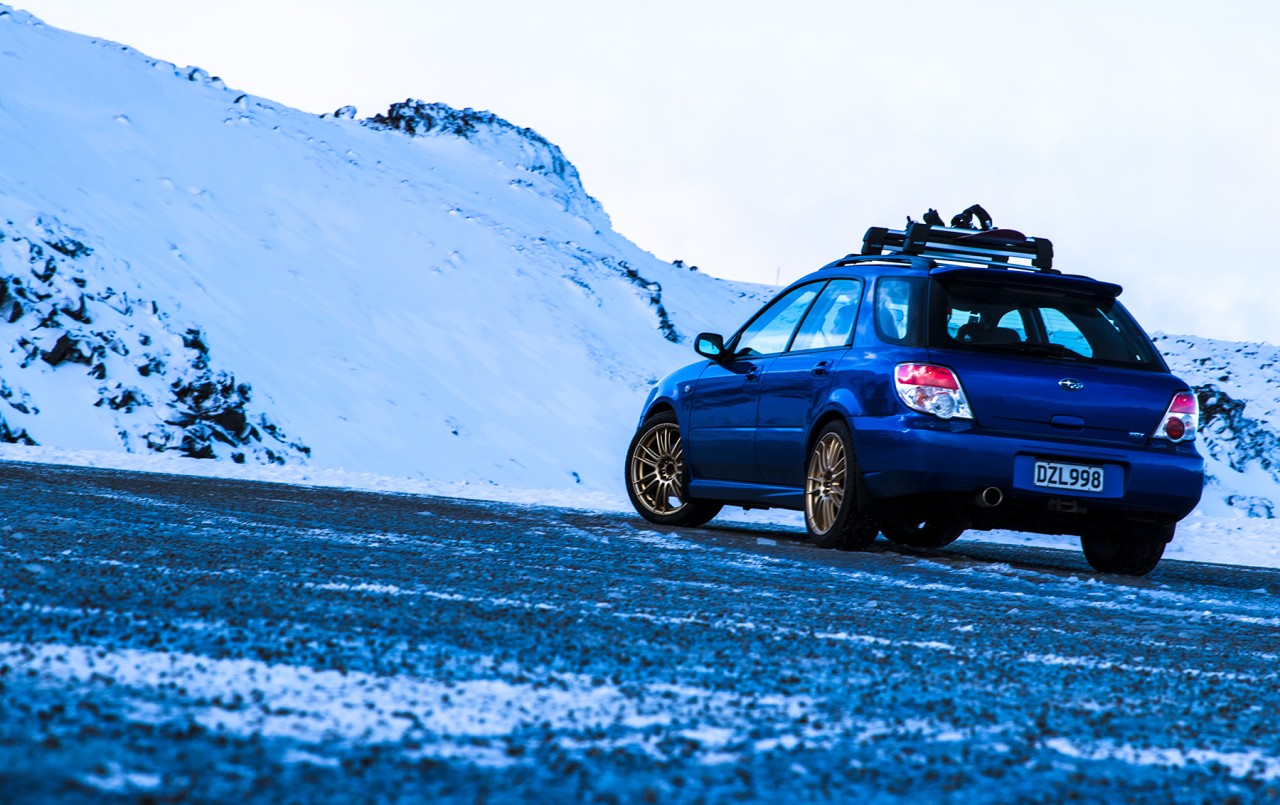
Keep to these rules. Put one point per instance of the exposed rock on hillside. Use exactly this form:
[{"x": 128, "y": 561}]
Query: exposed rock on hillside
[{"x": 68, "y": 334}]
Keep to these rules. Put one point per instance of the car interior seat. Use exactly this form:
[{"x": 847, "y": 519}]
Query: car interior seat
[
  {"x": 975, "y": 333},
  {"x": 889, "y": 322}
]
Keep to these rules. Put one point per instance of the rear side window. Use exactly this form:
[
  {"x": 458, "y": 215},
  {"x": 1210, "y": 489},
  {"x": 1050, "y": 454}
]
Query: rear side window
[
  {"x": 1039, "y": 322},
  {"x": 770, "y": 332},
  {"x": 898, "y": 311},
  {"x": 829, "y": 322}
]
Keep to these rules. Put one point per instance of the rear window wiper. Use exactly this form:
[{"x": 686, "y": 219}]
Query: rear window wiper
[
  {"x": 1029, "y": 348},
  {"x": 1046, "y": 350}
]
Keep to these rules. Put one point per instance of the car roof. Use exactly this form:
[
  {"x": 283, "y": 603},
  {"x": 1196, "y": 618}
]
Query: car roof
[
  {"x": 1000, "y": 257},
  {"x": 1074, "y": 284}
]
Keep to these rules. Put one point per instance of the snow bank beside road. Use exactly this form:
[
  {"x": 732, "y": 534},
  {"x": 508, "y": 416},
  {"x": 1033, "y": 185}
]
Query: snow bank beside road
[{"x": 1230, "y": 539}]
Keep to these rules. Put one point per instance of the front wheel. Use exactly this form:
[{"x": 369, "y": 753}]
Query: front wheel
[
  {"x": 655, "y": 475},
  {"x": 1129, "y": 549},
  {"x": 831, "y": 513}
]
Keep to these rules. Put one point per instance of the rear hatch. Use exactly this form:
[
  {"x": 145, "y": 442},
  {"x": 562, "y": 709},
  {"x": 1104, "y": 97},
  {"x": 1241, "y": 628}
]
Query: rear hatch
[{"x": 1048, "y": 355}]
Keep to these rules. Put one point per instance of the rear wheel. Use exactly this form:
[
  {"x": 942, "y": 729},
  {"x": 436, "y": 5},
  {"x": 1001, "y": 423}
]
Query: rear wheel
[
  {"x": 831, "y": 512},
  {"x": 656, "y": 475},
  {"x": 938, "y": 528},
  {"x": 1129, "y": 549}
]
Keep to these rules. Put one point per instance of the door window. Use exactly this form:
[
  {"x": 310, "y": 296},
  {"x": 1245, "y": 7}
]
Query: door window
[
  {"x": 770, "y": 332},
  {"x": 829, "y": 322}
]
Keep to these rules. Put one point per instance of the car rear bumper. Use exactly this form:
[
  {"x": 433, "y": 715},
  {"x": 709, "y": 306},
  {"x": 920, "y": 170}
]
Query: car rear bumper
[{"x": 915, "y": 455}]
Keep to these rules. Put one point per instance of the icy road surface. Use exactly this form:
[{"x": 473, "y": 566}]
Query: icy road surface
[{"x": 172, "y": 638}]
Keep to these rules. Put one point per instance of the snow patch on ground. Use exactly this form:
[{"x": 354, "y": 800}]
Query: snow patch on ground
[
  {"x": 480, "y": 721},
  {"x": 1238, "y": 764}
]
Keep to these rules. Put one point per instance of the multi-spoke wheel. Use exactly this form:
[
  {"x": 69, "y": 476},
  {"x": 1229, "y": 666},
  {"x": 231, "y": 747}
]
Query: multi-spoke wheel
[
  {"x": 830, "y": 500},
  {"x": 828, "y": 468},
  {"x": 656, "y": 475}
]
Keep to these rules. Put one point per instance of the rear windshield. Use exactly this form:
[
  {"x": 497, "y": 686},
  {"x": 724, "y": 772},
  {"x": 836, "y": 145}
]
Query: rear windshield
[{"x": 1040, "y": 322}]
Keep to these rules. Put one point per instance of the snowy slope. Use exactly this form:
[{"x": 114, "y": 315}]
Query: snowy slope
[
  {"x": 429, "y": 294},
  {"x": 1238, "y": 385}
]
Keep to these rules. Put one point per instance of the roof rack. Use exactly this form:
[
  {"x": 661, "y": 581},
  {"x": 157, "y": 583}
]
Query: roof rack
[
  {"x": 998, "y": 248},
  {"x": 914, "y": 261}
]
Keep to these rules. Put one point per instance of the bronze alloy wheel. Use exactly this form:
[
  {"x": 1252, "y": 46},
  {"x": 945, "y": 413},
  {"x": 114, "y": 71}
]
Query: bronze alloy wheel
[
  {"x": 832, "y": 512},
  {"x": 656, "y": 469},
  {"x": 824, "y": 489},
  {"x": 655, "y": 473}
]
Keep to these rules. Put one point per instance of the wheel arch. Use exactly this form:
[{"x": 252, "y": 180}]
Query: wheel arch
[
  {"x": 840, "y": 414},
  {"x": 840, "y": 405},
  {"x": 824, "y": 419},
  {"x": 658, "y": 406}
]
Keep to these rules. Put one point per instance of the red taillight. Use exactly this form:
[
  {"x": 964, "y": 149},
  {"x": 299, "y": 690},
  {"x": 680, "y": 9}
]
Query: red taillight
[
  {"x": 931, "y": 389},
  {"x": 1184, "y": 402},
  {"x": 1182, "y": 418},
  {"x": 924, "y": 374}
]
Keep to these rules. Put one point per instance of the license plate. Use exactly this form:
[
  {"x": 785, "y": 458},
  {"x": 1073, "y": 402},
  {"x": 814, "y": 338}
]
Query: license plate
[{"x": 1077, "y": 477}]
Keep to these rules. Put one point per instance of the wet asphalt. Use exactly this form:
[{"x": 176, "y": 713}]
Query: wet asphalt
[{"x": 174, "y": 639}]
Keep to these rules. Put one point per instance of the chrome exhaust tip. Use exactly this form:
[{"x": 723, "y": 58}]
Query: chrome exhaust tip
[{"x": 990, "y": 497}]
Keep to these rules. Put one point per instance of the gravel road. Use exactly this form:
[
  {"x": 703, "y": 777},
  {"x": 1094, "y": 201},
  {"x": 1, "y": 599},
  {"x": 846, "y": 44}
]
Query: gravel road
[{"x": 178, "y": 639}]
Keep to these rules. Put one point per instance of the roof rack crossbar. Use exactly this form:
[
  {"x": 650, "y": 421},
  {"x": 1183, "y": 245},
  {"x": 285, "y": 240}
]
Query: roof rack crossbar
[
  {"x": 902, "y": 259},
  {"x": 995, "y": 260},
  {"x": 996, "y": 248}
]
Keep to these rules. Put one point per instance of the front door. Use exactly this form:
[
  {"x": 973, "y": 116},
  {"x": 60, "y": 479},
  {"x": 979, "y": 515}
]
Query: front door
[
  {"x": 722, "y": 421},
  {"x": 721, "y": 443}
]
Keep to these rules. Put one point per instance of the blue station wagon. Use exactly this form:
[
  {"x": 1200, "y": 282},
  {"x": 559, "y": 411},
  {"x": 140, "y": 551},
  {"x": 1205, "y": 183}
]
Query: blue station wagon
[{"x": 944, "y": 379}]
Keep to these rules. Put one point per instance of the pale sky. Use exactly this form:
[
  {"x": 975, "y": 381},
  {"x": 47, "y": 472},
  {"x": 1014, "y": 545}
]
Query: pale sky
[{"x": 759, "y": 140}]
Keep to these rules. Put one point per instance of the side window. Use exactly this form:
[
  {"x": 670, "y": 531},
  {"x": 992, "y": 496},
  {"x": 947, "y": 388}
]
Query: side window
[
  {"x": 895, "y": 314},
  {"x": 1061, "y": 330},
  {"x": 770, "y": 332},
  {"x": 829, "y": 322},
  {"x": 1013, "y": 321}
]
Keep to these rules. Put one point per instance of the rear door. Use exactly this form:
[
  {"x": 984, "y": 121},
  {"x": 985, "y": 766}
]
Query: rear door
[
  {"x": 1044, "y": 361},
  {"x": 1046, "y": 397},
  {"x": 795, "y": 384}
]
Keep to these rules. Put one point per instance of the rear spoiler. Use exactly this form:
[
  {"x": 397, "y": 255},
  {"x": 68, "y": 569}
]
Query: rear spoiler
[
  {"x": 997, "y": 248},
  {"x": 1056, "y": 282}
]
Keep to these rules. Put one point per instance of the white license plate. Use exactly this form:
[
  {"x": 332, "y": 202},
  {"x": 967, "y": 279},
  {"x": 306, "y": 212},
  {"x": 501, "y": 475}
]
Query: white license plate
[{"x": 1077, "y": 477}]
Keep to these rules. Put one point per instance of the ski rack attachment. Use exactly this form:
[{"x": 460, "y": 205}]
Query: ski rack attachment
[{"x": 997, "y": 248}]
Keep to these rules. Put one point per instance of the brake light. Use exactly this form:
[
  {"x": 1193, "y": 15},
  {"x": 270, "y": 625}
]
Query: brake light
[
  {"x": 931, "y": 389},
  {"x": 1181, "y": 420}
]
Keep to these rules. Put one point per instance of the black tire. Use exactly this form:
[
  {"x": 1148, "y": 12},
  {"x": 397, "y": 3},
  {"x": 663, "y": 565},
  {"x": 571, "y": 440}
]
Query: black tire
[
  {"x": 937, "y": 529},
  {"x": 831, "y": 513},
  {"x": 655, "y": 476},
  {"x": 1128, "y": 549}
]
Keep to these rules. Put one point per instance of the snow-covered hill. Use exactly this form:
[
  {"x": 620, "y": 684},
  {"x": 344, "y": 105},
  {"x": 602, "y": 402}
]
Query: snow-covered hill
[
  {"x": 1238, "y": 385},
  {"x": 428, "y": 293}
]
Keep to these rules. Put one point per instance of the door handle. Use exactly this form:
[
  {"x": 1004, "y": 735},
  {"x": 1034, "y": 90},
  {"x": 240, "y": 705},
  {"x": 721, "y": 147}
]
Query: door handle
[
  {"x": 822, "y": 369},
  {"x": 753, "y": 375}
]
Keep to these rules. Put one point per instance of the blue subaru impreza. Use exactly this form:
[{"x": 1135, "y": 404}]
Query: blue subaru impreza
[{"x": 944, "y": 379}]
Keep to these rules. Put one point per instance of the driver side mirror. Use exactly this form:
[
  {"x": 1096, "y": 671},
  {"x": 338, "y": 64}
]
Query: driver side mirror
[{"x": 710, "y": 345}]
